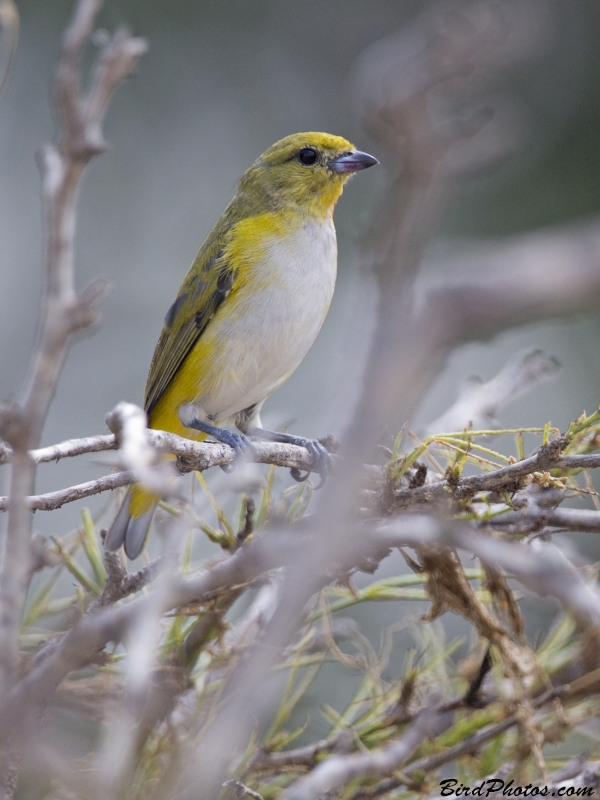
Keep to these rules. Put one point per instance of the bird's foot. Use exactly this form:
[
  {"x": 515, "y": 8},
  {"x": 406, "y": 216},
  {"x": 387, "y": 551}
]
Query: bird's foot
[
  {"x": 320, "y": 460},
  {"x": 241, "y": 444},
  {"x": 320, "y": 456}
]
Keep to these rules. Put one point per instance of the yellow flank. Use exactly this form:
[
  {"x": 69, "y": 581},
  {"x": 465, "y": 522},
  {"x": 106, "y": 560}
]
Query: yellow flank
[
  {"x": 252, "y": 302},
  {"x": 246, "y": 248},
  {"x": 140, "y": 500}
]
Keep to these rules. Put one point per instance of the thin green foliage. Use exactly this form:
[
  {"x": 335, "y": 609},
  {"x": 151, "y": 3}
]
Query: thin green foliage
[{"x": 380, "y": 697}]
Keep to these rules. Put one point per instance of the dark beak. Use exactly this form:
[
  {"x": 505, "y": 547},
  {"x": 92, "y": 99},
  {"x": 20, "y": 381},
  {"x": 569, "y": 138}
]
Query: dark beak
[{"x": 352, "y": 162}]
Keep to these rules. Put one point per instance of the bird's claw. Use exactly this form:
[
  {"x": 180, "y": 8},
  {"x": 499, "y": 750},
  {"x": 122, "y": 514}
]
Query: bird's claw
[
  {"x": 320, "y": 461},
  {"x": 241, "y": 446}
]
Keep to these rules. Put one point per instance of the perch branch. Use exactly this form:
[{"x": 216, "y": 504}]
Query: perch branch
[{"x": 190, "y": 456}]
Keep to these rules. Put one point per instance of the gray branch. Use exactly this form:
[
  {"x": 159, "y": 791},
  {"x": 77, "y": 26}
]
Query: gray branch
[
  {"x": 496, "y": 480},
  {"x": 64, "y": 313},
  {"x": 81, "y": 642},
  {"x": 190, "y": 456},
  {"x": 337, "y": 771},
  {"x": 9, "y": 36},
  {"x": 470, "y": 745},
  {"x": 479, "y": 402},
  {"x": 541, "y": 567}
]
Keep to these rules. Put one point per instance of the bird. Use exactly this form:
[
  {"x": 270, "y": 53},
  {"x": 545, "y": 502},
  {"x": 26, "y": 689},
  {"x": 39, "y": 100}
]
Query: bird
[{"x": 248, "y": 310}]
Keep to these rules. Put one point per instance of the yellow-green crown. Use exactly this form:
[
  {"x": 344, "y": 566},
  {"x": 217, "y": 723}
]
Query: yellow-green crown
[{"x": 296, "y": 172}]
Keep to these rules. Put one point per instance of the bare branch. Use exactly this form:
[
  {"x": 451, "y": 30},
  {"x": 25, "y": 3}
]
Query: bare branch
[
  {"x": 63, "y": 312},
  {"x": 544, "y": 569},
  {"x": 53, "y": 500},
  {"x": 469, "y": 745},
  {"x": 478, "y": 402},
  {"x": 73, "y": 447},
  {"x": 201, "y": 454},
  {"x": 94, "y": 631},
  {"x": 190, "y": 456},
  {"x": 9, "y": 24},
  {"x": 495, "y": 480},
  {"x": 337, "y": 771}
]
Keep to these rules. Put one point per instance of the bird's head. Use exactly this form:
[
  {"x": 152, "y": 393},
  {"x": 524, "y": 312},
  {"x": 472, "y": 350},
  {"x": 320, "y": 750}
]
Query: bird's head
[{"x": 306, "y": 171}]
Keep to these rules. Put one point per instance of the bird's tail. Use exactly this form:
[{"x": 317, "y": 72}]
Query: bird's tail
[{"x": 131, "y": 525}]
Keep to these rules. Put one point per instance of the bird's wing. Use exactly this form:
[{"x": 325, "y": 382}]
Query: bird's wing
[{"x": 207, "y": 284}]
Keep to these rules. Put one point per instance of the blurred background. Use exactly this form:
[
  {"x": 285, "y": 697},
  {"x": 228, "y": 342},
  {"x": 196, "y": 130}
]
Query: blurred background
[{"x": 221, "y": 82}]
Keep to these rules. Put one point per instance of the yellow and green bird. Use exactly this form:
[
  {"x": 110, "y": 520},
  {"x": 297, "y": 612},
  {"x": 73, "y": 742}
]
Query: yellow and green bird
[{"x": 249, "y": 308}]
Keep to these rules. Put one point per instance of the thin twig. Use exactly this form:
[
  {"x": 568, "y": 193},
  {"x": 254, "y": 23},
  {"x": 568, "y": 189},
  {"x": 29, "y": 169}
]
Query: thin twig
[
  {"x": 191, "y": 456},
  {"x": 496, "y": 480},
  {"x": 64, "y": 313},
  {"x": 428, "y": 764},
  {"x": 542, "y": 568},
  {"x": 337, "y": 771}
]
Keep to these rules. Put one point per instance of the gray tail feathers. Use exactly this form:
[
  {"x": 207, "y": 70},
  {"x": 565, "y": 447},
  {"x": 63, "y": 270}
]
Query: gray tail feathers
[{"x": 129, "y": 531}]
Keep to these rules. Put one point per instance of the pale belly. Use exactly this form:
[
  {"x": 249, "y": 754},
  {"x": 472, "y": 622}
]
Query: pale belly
[{"x": 263, "y": 338}]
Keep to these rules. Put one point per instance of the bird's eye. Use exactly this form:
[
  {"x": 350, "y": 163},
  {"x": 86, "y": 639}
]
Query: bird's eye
[{"x": 307, "y": 156}]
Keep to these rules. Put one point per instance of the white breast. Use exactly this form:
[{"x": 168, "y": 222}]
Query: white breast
[{"x": 273, "y": 326}]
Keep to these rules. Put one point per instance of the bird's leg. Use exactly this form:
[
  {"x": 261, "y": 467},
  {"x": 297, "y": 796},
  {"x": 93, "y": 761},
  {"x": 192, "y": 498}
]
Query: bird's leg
[
  {"x": 238, "y": 441},
  {"x": 321, "y": 460}
]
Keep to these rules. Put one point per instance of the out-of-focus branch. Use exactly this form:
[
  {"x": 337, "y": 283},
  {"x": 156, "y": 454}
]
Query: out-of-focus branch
[
  {"x": 574, "y": 519},
  {"x": 9, "y": 36},
  {"x": 64, "y": 312},
  {"x": 544, "y": 569},
  {"x": 337, "y": 771},
  {"x": 119, "y": 584},
  {"x": 94, "y": 631},
  {"x": 129, "y": 425},
  {"x": 544, "y": 274},
  {"x": 240, "y": 790},
  {"x": 256, "y": 557},
  {"x": 409, "y": 84},
  {"x": 305, "y": 756},
  {"x": 471, "y": 744},
  {"x": 479, "y": 402},
  {"x": 124, "y": 736}
]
